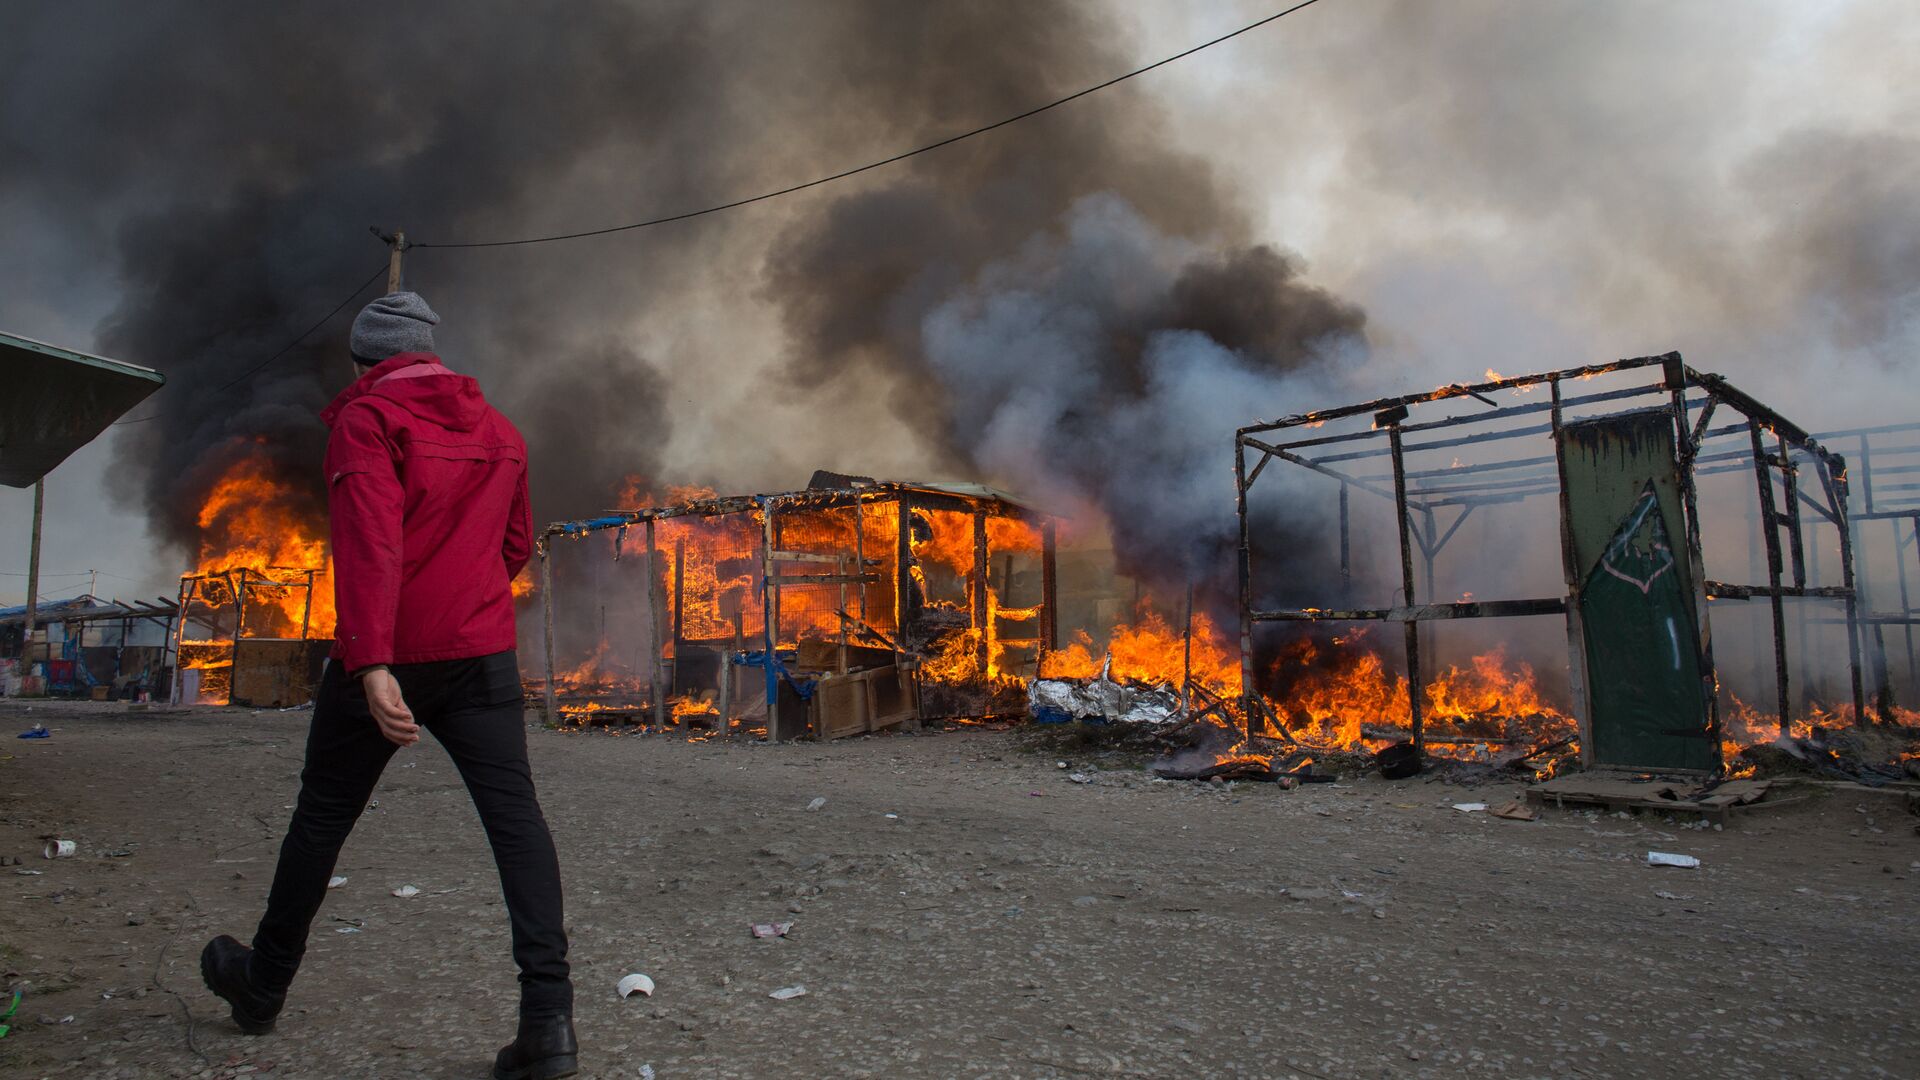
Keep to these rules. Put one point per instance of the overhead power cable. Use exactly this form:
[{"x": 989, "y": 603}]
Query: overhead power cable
[
  {"x": 844, "y": 174},
  {"x": 284, "y": 349}
]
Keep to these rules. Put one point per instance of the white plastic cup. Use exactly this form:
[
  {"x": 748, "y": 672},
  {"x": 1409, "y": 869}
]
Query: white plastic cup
[{"x": 58, "y": 849}]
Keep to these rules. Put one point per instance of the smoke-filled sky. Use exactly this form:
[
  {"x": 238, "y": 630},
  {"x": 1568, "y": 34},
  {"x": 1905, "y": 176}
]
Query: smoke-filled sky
[{"x": 1363, "y": 198}]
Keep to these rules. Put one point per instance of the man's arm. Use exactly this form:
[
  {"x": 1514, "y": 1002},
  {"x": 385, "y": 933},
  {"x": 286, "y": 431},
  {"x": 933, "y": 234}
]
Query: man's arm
[
  {"x": 518, "y": 546},
  {"x": 365, "y": 503}
]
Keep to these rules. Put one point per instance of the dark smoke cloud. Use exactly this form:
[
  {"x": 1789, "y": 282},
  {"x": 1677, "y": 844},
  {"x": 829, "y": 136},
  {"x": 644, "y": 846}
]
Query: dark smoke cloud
[{"x": 228, "y": 159}]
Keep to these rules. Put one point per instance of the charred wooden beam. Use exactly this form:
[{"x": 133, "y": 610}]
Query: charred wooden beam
[
  {"x": 1415, "y": 684},
  {"x": 980, "y": 585},
  {"x": 1323, "y": 415},
  {"x": 1465, "y": 609},
  {"x": 1721, "y": 590},
  {"x": 826, "y": 579},
  {"x": 1770, "y": 534},
  {"x": 1050, "y": 617}
]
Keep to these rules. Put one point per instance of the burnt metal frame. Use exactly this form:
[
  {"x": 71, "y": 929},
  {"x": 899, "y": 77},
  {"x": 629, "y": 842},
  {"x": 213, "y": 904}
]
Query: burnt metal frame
[
  {"x": 1518, "y": 479},
  {"x": 909, "y": 497},
  {"x": 1889, "y": 450},
  {"x": 239, "y": 580}
]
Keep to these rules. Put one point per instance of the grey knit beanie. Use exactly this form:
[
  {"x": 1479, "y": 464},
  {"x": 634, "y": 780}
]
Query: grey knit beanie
[{"x": 396, "y": 323}]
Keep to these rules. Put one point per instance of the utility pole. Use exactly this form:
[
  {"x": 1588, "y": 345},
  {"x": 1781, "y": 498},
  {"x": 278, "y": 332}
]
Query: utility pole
[
  {"x": 33, "y": 570},
  {"x": 399, "y": 245},
  {"x": 396, "y": 243}
]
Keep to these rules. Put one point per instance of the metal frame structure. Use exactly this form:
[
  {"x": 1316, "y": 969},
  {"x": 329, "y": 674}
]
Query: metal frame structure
[
  {"x": 978, "y": 501},
  {"x": 1775, "y": 450},
  {"x": 1890, "y": 450}
]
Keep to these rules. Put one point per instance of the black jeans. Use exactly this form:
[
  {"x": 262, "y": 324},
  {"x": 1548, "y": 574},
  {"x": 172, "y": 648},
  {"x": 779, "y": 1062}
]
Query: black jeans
[{"x": 474, "y": 708}]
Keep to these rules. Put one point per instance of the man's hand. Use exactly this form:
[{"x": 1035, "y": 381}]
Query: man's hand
[{"x": 388, "y": 707}]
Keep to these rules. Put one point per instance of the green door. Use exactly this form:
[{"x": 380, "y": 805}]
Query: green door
[{"x": 1646, "y": 699}]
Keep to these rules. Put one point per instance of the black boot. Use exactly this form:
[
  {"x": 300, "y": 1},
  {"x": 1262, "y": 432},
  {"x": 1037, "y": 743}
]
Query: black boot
[
  {"x": 545, "y": 1049},
  {"x": 223, "y": 967}
]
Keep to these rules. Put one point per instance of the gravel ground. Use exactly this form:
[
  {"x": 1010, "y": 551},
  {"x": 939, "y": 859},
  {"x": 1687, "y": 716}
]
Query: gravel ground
[{"x": 960, "y": 908}]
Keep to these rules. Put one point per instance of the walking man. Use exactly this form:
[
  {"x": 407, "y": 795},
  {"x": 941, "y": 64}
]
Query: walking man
[{"x": 427, "y": 492}]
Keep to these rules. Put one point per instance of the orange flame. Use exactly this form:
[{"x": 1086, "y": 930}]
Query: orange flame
[{"x": 250, "y": 521}]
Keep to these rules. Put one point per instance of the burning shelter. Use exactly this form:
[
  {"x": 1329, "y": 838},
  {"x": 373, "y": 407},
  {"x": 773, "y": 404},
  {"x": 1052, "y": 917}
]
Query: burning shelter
[
  {"x": 850, "y": 606},
  {"x": 263, "y": 635},
  {"x": 1652, "y": 470}
]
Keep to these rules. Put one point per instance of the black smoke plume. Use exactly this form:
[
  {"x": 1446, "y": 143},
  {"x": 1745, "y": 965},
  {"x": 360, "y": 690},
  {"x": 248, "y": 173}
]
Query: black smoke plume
[{"x": 226, "y": 161}]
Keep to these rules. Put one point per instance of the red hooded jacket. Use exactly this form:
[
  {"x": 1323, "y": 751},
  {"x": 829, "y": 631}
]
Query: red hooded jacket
[{"x": 427, "y": 490}]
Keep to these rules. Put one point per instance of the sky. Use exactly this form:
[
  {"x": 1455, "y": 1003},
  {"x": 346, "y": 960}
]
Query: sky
[{"x": 1519, "y": 186}]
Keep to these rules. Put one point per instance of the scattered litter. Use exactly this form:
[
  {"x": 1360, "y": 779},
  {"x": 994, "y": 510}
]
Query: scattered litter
[
  {"x": 1517, "y": 811},
  {"x": 818, "y": 802},
  {"x": 346, "y": 929},
  {"x": 29, "y": 873},
  {"x": 37, "y": 731},
  {"x": 1059, "y": 764},
  {"x": 371, "y": 807},
  {"x": 335, "y": 882},
  {"x": 1469, "y": 807},
  {"x": 1665, "y": 895},
  {"x": 646, "y": 1072},
  {"x": 1038, "y": 794},
  {"x": 406, "y": 892},
  {"x": 635, "y": 983},
  {"x": 67, "y": 1019},
  {"x": 8, "y": 1015},
  {"x": 1661, "y": 858},
  {"x": 893, "y": 817},
  {"x": 1080, "y": 778},
  {"x": 58, "y": 849},
  {"x": 772, "y": 929},
  {"x": 788, "y": 993}
]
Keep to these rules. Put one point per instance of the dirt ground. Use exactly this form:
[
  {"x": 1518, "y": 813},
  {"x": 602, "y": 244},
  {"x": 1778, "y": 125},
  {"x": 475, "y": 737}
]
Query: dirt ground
[{"x": 960, "y": 908}]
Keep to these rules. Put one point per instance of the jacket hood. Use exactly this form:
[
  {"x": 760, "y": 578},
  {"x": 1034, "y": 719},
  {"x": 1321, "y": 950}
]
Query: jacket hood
[{"x": 420, "y": 384}]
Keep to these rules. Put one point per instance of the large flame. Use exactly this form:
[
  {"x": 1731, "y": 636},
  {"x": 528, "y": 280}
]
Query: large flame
[{"x": 251, "y": 521}]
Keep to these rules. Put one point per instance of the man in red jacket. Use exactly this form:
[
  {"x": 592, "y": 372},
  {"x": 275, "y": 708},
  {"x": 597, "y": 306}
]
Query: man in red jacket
[{"x": 427, "y": 492}]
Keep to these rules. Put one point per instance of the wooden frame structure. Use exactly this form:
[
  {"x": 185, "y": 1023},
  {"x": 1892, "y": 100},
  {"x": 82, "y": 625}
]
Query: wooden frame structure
[
  {"x": 238, "y": 583},
  {"x": 1775, "y": 449},
  {"x": 814, "y": 569}
]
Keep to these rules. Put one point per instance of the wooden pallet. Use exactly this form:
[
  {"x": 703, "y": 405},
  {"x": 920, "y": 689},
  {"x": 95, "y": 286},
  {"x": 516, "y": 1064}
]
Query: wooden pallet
[{"x": 1618, "y": 792}]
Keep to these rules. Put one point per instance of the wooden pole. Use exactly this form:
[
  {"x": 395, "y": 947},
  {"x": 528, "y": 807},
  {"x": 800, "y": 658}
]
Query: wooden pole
[
  {"x": 1186, "y": 664},
  {"x": 398, "y": 246},
  {"x": 1415, "y": 684},
  {"x": 982, "y": 614},
  {"x": 1049, "y": 588},
  {"x": 653, "y": 621},
  {"x": 679, "y": 606},
  {"x": 546, "y": 614}
]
